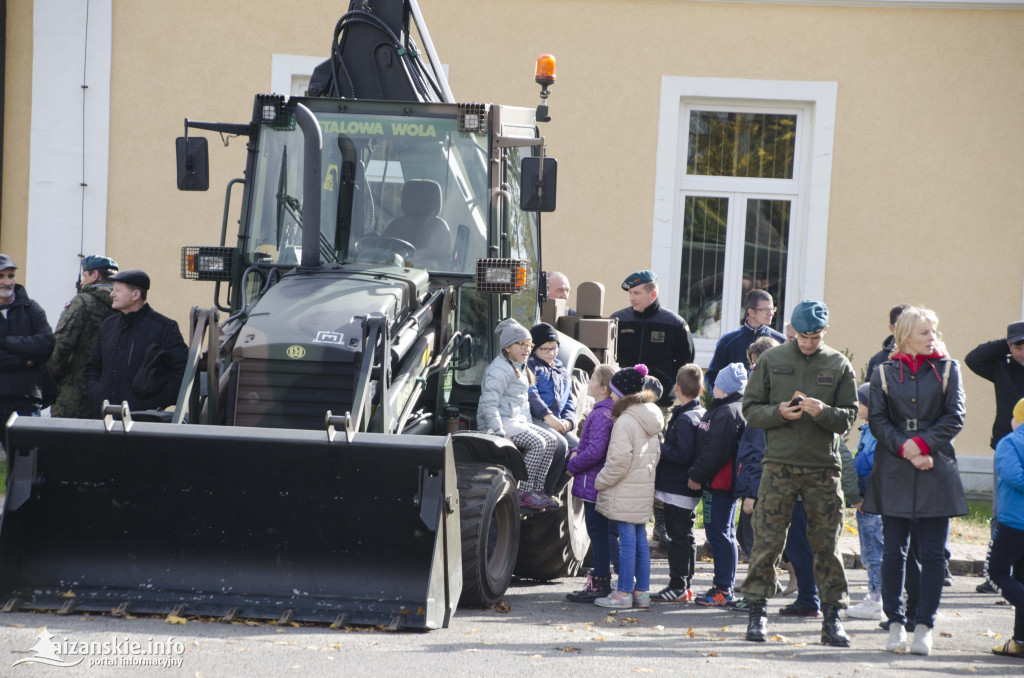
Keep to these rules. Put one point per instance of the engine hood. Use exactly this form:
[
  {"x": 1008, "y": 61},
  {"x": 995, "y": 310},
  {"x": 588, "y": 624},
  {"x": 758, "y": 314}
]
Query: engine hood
[{"x": 319, "y": 315}]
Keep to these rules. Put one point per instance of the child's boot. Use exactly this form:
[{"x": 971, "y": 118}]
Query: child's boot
[{"x": 596, "y": 587}]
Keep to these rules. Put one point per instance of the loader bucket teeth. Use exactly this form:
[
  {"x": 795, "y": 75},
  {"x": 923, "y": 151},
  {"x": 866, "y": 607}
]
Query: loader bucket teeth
[{"x": 226, "y": 522}]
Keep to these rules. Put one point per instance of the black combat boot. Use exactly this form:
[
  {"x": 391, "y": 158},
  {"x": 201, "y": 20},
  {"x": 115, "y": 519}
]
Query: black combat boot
[
  {"x": 660, "y": 531},
  {"x": 757, "y": 625},
  {"x": 832, "y": 632}
]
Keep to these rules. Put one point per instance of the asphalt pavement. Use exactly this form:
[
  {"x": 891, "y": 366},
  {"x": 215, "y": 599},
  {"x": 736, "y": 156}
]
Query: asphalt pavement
[{"x": 538, "y": 633}]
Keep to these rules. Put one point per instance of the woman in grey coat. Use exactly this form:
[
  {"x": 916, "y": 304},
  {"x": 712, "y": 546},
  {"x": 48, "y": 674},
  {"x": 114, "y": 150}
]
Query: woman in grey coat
[{"x": 917, "y": 407}]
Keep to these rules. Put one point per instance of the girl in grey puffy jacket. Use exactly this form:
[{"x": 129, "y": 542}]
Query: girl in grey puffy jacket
[{"x": 504, "y": 410}]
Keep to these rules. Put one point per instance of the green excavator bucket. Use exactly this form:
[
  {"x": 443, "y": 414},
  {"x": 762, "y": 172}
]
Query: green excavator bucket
[{"x": 230, "y": 522}]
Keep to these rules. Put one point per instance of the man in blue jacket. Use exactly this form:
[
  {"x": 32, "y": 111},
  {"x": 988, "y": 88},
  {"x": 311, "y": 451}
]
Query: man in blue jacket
[{"x": 732, "y": 347}]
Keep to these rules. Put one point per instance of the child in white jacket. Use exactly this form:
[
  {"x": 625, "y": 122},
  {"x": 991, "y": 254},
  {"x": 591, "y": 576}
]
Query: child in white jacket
[
  {"x": 504, "y": 410},
  {"x": 626, "y": 483}
]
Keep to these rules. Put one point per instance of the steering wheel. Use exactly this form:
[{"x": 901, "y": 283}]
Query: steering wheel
[{"x": 403, "y": 248}]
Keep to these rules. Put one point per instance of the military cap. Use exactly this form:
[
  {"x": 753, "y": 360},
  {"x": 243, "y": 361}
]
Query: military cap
[
  {"x": 809, "y": 317},
  {"x": 94, "y": 262},
  {"x": 638, "y": 278},
  {"x": 133, "y": 277},
  {"x": 6, "y": 262}
]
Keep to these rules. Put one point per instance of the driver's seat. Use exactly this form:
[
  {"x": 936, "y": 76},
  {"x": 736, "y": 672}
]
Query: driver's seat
[{"x": 421, "y": 226}]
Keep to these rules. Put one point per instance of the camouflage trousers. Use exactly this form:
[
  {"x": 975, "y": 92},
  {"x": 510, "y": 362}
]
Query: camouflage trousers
[{"x": 820, "y": 489}]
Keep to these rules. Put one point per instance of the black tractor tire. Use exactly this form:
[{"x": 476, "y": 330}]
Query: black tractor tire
[
  {"x": 490, "y": 522},
  {"x": 553, "y": 544}
]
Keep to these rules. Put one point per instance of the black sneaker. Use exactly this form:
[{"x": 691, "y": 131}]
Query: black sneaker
[
  {"x": 987, "y": 587},
  {"x": 671, "y": 595}
]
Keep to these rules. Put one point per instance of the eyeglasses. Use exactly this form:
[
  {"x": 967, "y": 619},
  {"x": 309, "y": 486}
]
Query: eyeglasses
[
  {"x": 526, "y": 345},
  {"x": 550, "y": 349},
  {"x": 771, "y": 309}
]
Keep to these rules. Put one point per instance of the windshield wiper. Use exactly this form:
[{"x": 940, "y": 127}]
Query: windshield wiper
[{"x": 294, "y": 209}]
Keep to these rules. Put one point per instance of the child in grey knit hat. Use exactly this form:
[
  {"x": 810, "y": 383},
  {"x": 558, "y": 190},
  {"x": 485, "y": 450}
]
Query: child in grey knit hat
[{"x": 504, "y": 410}]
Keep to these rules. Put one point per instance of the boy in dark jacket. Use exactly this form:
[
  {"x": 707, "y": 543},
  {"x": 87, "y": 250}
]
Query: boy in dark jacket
[
  {"x": 714, "y": 470},
  {"x": 678, "y": 452}
]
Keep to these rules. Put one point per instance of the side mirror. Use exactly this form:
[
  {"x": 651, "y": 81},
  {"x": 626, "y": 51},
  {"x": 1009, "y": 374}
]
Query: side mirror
[
  {"x": 193, "y": 163},
  {"x": 537, "y": 184}
]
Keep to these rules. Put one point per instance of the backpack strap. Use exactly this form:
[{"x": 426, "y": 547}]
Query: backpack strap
[
  {"x": 881, "y": 375},
  {"x": 945, "y": 375}
]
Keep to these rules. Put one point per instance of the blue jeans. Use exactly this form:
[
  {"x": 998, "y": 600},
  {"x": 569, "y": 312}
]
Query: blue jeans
[
  {"x": 1007, "y": 553},
  {"x": 721, "y": 533},
  {"x": 798, "y": 551},
  {"x": 597, "y": 528},
  {"x": 634, "y": 558},
  {"x": 930, "y": 549},
  {"x": 869, "y": 527}
]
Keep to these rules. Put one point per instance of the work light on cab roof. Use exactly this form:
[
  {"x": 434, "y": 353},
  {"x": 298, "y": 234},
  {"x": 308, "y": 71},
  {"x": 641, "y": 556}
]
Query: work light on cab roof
[{"x": 545, "y": 77}]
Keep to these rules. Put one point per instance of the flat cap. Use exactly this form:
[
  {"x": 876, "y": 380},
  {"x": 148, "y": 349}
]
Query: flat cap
[
  {"x": 809, "y": 317},
  {"x": 133, "y": 277},
  {"x": 638, "y": 278},
  {"x": 1015, "y": 332},
  {"x": 94, "y": 262},
  {"x": 6, "y": 262}
]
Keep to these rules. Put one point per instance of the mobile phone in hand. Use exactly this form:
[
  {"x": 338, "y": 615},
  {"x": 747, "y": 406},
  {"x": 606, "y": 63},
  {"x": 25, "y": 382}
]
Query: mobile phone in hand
[{"x": 796, "y": 401}]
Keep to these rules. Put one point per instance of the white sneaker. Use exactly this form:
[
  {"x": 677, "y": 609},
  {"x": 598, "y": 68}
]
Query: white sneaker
[
  {"x": 922, "y": 640},
  {"x": 869, "y": 608},
  {"x": 897, "y": 638}
]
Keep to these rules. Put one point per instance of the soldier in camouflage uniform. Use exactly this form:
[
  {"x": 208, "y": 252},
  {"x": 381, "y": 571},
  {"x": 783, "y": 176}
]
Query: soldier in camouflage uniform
[
  {"x": 802, "y": 458},
  {"x": 76, "y": 333}
]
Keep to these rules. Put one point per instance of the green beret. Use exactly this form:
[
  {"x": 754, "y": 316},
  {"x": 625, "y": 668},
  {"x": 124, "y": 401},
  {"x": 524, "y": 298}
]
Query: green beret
[
  {"x": 94, "y": 262},
  {"x": 638, "y": 278},
  {"x": 809, "y": 317}
]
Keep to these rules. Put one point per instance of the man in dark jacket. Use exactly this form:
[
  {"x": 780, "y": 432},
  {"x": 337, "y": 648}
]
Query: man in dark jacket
[
  {"x": 803, "y": 394},
  {"x": 139, "y": 356},
  {"x": 652, "y": 335},
  {"x": 26, "y": 342},
  {"x": 890, "y": 342},
  {"x": 732, "y": 347},
  {"x": 76, "y": 333},
  {"x": 1000, "y": 361}
]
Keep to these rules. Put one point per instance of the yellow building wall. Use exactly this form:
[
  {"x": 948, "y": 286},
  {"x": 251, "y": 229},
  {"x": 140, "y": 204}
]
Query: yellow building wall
[
  {"x": 928, "y": 151},
  {"x": 17, "y": 119}
]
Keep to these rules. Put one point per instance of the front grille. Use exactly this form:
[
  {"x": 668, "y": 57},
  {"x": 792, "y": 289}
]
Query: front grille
[{"x": 292, "y": 393}]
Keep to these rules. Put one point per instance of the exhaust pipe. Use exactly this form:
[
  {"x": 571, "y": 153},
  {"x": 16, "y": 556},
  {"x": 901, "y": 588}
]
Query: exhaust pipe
[{"x": 312, "y": 147}]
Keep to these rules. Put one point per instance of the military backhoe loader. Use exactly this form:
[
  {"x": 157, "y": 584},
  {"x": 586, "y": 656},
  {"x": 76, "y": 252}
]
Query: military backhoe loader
[{"x": 322, "y": 462}]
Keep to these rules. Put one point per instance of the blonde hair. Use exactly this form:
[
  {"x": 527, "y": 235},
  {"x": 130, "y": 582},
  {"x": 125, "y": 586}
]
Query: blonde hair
[
  {"x": 911, "y": 319},
  {"x": 530, "y": 379}
]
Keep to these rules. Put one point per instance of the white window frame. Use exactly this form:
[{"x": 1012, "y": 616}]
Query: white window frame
[
  {"x": 815, "y": 105},
  {"x": 284, "y": 66}
]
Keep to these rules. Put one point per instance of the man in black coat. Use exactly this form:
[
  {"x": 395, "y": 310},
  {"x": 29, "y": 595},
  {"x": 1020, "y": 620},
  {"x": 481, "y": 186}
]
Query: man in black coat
[
  {"x": 26, "y": 342},
  {"x": 139, "y": 355},
  {"x": 652, "y": 335},
  {"x": 890, "y": 342},
  {"x": 1000, "y": 361}
]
